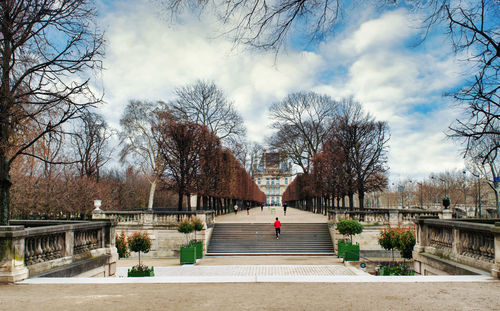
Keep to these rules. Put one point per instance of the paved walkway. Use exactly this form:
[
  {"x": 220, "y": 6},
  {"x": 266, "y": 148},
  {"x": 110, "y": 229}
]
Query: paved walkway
[{"x": 268, "y": 215}]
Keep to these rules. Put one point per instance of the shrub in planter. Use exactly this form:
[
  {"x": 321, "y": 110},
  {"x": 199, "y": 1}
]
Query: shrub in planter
[
  {"x": 187, "y": 251},
  {"x": 349, "y": 227},
  {"x": 341, "y": 247},
  {"x": 139, "y": 242},
  {"x": 188, "y": 254},
  {"x": 402, "y": 239},
  {"x": 388, "y": 239},
  {"x": 351, "y": 252},
  {"x": 140, "y": 271},
  {"x": 121, "y": 245},
  {"x": 198, "y": 226}
]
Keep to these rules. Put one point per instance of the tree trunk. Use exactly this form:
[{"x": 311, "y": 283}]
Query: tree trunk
[
  {"x": 198, "y": 202},
  {"x": 4, "y": 191},
  {"x": 152, "y": 190},
  {"x": 361, "y": 196},
  {"x": 179, "y": 201},
  {"x": 188, "y": 198},
  {"x": 351, "y": 200}
]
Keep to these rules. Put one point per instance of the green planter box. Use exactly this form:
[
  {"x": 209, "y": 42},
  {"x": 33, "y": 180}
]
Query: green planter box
[
  {"x": 135, "y": 274},
  {"x": 351, "y": 252},
  {"x": 198, "y": 245},
  {"x": 188, "y": 254},
  {"x": 341, "y": 247}
]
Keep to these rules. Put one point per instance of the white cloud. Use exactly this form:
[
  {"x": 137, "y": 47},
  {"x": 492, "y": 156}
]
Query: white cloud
[{"x": 147, "y": 58}]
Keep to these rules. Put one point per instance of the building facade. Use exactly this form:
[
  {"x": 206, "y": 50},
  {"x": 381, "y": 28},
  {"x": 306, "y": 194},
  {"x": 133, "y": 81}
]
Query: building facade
[{"x": 272, "y": 174}]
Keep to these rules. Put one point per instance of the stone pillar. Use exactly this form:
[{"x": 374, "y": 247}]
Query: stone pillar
[
  {"x": 12, "y": 267},
  {"x": 495, "y": 270},
  {"x": 147, "y": 219},
  {"x": 393, "y": 217},
  {"x": 69, "y": 243},
  {"x": 111, "y": 251}
]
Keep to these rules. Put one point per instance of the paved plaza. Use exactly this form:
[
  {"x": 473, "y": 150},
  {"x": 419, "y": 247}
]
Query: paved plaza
[
  {"x": 253, "y": 296},
  {"x": 268, "y": 215}
]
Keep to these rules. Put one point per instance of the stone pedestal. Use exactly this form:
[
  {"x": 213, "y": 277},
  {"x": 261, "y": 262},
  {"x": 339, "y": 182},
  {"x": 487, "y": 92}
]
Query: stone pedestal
[
  {"x": 447, "y": 214},
  {"x": 12, "y": 267}
]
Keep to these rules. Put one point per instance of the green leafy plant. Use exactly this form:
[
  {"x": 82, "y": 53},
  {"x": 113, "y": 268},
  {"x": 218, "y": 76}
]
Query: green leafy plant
[
  {"x": 395, "y": 270},
  {"x": 186, "y": 227},
  {"x": 121, "y": 245},
  {"x": 139, "y": 242},
  {"x": 406, "y": 242},
  {"x": 388, "y": 239},
  {"x": 197, "y": 225},
  {"x": 402, "y": 239},
  {"x": 349, "y": 227}
]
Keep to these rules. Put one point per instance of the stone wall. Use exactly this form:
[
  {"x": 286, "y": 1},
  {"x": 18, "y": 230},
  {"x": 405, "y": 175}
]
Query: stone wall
[
  {"x": 470, "y": 246},
  {"x": 29, "y": 248},
  {"x": 165, "y": 242}
]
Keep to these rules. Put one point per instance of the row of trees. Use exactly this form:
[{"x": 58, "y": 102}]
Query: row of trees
[
  {"x": 351, "y": 157},
  {"x": 196, "y": 162}
]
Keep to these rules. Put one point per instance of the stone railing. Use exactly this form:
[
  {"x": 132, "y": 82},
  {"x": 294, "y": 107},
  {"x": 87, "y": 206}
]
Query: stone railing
[
  {"x": 382, "y": 216},
  {"x": 453, "y": 245},
  {"x": 168, "y": 219},
  {"x": 37, "y": 247}
]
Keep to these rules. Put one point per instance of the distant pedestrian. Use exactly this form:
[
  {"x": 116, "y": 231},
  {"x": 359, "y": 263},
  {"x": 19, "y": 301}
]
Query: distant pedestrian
[
  {"x": 261, "y": 207},
  {"x": 248, "y": 208},
  {"x": 284, "y": 208},
  {"x": 277, "y": 227},
  {"x": 235, "y": 208}
]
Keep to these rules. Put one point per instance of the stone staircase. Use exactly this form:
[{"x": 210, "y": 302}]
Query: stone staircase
[{"x": 233, "y": 239}]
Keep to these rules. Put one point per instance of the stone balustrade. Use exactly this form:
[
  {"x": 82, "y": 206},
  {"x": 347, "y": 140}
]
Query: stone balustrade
[
  {"x": 168, "y": 219},
  {"x": 38, "y": 247},
  {"x": 161, "y": 226},
  {"x": 457, "y": 247},
  {"x": 382, "y": 215}
]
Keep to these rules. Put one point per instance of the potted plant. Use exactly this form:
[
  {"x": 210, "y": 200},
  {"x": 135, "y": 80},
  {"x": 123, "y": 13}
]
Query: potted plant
[
  {"x": 197, "y": 226},
  {"x": 140, "y": 242},
  {"x": 402, "y": 239},
  {"x": 388, "y": 239},
  {"x": 187, "y": 251},
  {"x": 121, "y": 245},
  {"x": 406, "y": 242},
  {"x": 349, "y": 227}
]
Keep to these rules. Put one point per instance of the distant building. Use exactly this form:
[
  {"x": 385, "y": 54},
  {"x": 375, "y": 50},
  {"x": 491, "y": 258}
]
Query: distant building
[{"x": 272, "y": 174}]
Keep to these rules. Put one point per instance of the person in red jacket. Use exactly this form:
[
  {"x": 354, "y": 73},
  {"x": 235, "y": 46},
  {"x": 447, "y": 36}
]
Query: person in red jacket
[{"x": 277, "y": 226}]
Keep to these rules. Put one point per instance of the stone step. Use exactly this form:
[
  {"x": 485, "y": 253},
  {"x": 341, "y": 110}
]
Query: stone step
[{"x": 259, "y": 239}]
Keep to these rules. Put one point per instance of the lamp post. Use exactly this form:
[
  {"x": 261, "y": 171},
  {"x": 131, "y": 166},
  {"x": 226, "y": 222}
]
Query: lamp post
[
  {"x": 465, "y": 194},
  {"x": 421, "y": 198}
]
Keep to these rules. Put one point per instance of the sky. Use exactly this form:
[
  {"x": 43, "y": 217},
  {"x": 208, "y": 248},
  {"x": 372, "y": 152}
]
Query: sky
[{"x": 373, "y": 57}]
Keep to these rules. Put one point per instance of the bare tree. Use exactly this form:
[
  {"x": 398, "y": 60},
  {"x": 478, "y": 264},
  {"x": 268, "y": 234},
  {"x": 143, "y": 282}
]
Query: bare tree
[
  {"x": 484, "y": 163},
  {"x": 181, "y": 145},
  {"x": 139, "y": 144},
  {"x": 49, "y": 49},
  {"x": 364, "y": 144},
  {"x": 302, "y": 121},
  {"x": 90, "y": 141},
  {"x": 204, "y": 103},
  {"x": 475, "y": 29}
]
